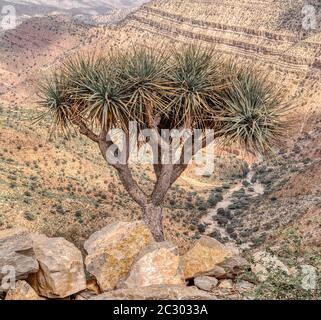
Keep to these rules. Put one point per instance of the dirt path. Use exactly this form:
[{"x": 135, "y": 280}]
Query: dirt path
[{"x": 227, "y": 200}]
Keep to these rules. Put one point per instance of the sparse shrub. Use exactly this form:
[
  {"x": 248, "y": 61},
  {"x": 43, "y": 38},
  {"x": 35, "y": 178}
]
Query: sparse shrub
[
  {"x": 201, "y": 228},
  {"x": 59, "y": 209},
  {"x": 214, "y": 199},
  {"x": 189, "y": 206},
  {"x": 216, "y": 235},
  {"x": 78, "y": 214},
  {"x": 254, "y": 178},
  {"x": 224, "y": 213},
  {"x": 233, "y": 206},
  {"x": 245, "y": 183},
  {"x": 30, "y": 216}
]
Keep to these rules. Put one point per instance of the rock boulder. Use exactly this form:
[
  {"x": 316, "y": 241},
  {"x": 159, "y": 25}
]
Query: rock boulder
[
  {"x": 159, "y": 292},
  {"x": 204, "y": 257},
  {"x": 16, "y": 252},
  {"x": 112, "y": 250},
  {"x": 206, "y": 283},
  {"x": 61, "y": 271},
  {"x": 157, "y": 264},
  {"x": 22, "y": 291},
  {"x": 265, "y": 264}
]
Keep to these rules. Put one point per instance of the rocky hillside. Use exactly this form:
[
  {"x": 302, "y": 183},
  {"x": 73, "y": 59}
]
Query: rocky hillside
[
  {"x": 123, "y": 262},
  {"x": 28, "y": 49},
  {"x": 274, "y": 42}
]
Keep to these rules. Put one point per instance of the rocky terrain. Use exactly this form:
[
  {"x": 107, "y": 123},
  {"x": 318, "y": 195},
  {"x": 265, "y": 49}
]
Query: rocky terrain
[
  {"x": 125, "y": 263},
  {"x": 63, "y": 189}
]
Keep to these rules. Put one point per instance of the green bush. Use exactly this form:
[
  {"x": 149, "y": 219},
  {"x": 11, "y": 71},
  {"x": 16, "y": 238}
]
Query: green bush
[
  {"x": 214, "y": 199},
  {"x": 201, "y": 228},
  {"x": 245, "y": 183}
]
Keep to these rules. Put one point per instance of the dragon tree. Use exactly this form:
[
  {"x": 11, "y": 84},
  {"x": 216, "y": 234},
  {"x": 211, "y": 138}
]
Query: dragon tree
[{"x": 182, "y": 88}]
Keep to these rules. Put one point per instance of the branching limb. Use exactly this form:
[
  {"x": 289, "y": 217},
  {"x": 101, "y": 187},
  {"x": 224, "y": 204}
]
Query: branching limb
[
  {"x": 162, "y": 185},
  {"x": 84, "y": 130},
  {"x": 167, "y": 174},
  {"x": 157, "y": 158},
  {"x": 190, "y": 148},
  {"x": 123, "y": 170}
]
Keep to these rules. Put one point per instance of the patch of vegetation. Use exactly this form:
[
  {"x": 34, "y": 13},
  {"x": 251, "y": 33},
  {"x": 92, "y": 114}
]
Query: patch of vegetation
[
  {"x": 30, "y": 216},
  {"x": 214, "y": 198},
  {"x": 299, "y": 285}
]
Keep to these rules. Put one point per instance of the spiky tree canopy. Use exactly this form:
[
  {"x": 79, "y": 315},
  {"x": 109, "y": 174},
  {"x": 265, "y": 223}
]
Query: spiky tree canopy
[{"x": 186, "y": 88}]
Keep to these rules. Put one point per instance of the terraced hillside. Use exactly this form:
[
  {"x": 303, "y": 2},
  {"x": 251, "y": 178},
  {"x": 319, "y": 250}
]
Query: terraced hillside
[{"x": 267, "y": 34}]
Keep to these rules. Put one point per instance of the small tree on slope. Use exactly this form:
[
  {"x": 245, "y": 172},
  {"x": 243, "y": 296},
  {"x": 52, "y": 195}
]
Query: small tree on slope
[{"x": 190, "y": 88}]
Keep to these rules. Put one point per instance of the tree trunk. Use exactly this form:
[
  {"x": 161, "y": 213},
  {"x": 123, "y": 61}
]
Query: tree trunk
[{"x": 153, "y": 217}]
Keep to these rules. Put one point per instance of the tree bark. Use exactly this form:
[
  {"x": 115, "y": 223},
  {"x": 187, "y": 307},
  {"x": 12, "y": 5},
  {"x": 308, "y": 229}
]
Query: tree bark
[
  {"x": 153, "y": 217},
  {"x": 166, "y": 175},
  {"x": 151, "y": 205}
]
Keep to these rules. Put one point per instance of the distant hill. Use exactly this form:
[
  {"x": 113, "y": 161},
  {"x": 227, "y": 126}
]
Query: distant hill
[
  {"x": 70, "y": 7},
  {"x": 28, "y": 48}
]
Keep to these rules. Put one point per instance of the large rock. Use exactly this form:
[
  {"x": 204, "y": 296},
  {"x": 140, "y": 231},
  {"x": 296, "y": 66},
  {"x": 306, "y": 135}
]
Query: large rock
[
  {"x": 206, "y": 283},
  {"x": 204, "y": 257},
  {"x": 85, "y": 295},
  {"x": 226, "y": 284},
  {"x": 217, "y": 272},
  {"x": 265, "y": 264},
  {"x": 22, "y": 291},
  {"x": 112, "y": 250},
  {"x": 244, "y": 286},
  {"x": 61, "y": 271},
  {"x": 158, "y": 292},
  {"x": 158, "y": 263},
  {"x": 16, "y": 251},
  {"x": 232, "y": 266},
  {"x": 229, "y": 268}
]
